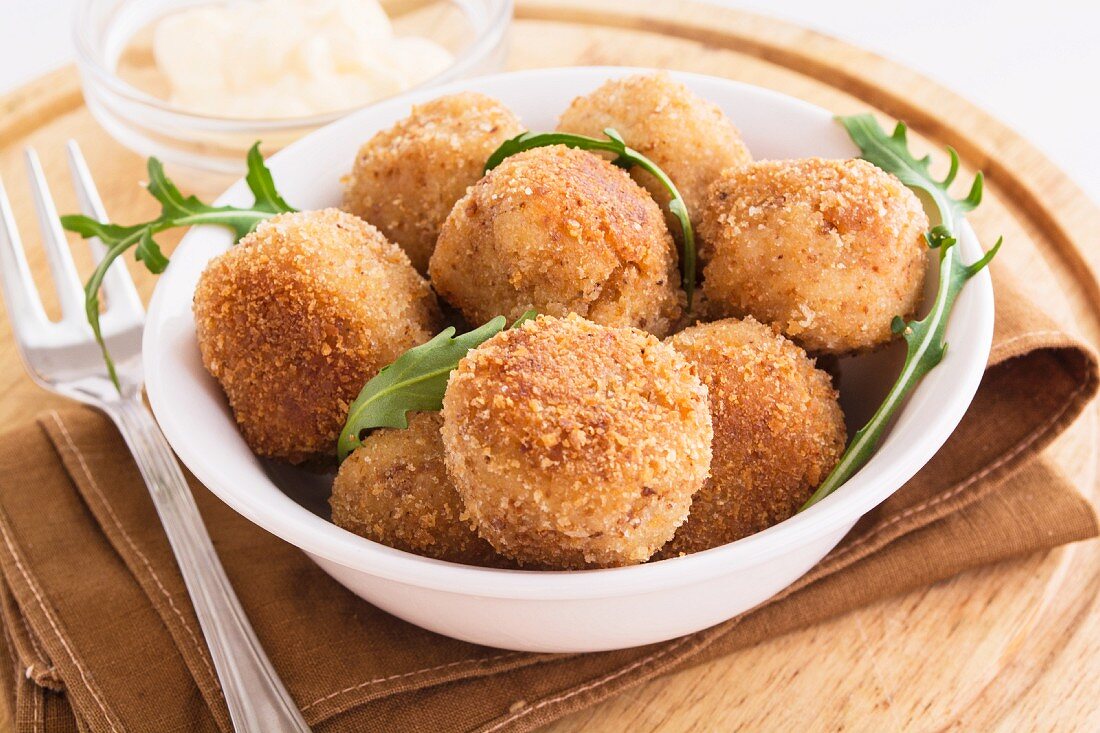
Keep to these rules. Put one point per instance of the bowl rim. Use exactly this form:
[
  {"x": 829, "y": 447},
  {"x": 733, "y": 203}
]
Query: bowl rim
[
  {"x": 835, "y": 514},
  {"x": 498, "y": 21}
]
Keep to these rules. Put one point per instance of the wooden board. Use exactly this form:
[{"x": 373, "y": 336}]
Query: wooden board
[{"x": 1009, "y": 647}]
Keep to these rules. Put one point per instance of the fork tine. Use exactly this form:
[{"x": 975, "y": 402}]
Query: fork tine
[
  {"x": 117, "y": 285},
  {"x": 70, "y": 293},
  {"x": 20, "y": 295}
]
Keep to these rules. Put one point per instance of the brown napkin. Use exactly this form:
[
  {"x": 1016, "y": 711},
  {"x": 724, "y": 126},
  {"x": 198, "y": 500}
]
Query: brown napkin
[{"x": 99, "y": 634}]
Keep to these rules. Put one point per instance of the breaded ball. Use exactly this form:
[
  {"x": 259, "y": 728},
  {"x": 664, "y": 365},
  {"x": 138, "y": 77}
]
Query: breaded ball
[
  {"x": 576, "y": 445},
  {"x": 394, "y": 489},
  {"x": 688, "y": 137},
  {"x": 778, "y": 431},
  {"x": 827, "y": 251},
  {"x": 406, "y": 179},
  {"x": 298, "y": 316},
  {"x": 560, "y": 231}
]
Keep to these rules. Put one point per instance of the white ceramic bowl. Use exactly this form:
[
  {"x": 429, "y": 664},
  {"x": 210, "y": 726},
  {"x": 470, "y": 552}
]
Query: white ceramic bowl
[{"x": 551, "y": 611}]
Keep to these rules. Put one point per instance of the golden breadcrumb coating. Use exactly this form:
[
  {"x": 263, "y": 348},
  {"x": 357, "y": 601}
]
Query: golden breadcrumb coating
[
  {"x": 576, "y": 445},
  {"x": 688, "y": 137},
  {"x": 827, "y": 251},
  {"x": 298, "y": 316},
  {"x": 406, "y": 179},
  {"x": 560, "y": 231},
  {"x": 778, "y": 431},
  {"x": 394, "y": 489}
]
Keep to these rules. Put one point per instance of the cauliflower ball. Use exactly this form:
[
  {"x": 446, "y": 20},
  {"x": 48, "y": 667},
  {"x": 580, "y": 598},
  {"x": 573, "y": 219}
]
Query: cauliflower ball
[
  {"x": 576, "y": 445},
  {"x": 778, "y": 431},
  {"x": 394, "y": 489},
  {"x": 406, "y": 179},
  {"x": 298, "y": 316},
  {"x": 560, "y": 231},
  {"x": 827, "y": 251},
  {"x": 688, "y": 137}
]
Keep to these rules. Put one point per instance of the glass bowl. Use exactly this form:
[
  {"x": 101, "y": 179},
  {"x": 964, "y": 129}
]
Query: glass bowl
[{"x": 121, "y": 82}]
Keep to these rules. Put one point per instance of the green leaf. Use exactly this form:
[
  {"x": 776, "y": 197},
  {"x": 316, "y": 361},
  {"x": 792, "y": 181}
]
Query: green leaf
[
  {"x": 924, "y": 339},
  {"x": 529, "y": 315},
  {"x": 891, "y": 153},
  {"x": 262, "y": 185},
  {"x": 148, "y": 251},
  {"x": 415, "y": 382},
  {"x": 625, "y": 157},
  {"x": 177, "y": 210},
  {"x": 173, "y": 203}
]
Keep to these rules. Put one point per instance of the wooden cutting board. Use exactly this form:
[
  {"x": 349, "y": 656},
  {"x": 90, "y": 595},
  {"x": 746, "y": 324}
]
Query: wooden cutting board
[{"x": 1008, "y": 647}]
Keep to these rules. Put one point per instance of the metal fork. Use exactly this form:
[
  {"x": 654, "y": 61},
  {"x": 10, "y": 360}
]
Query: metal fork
[{"x": 63, "y": 357}]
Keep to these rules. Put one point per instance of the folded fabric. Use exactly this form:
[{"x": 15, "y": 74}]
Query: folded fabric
[{"x": 99, "y": 633}]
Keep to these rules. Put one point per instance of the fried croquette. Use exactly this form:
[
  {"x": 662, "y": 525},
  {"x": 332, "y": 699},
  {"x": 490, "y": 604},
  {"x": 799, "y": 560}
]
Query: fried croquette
[
  {"x": 559, "y": 231},
  {"x": 576, "y": 445},
  {"x": 406, "y": 179},
  {"x": 778, "y": 431},
  {"x": 827, "y": 251},
  {"x": 688, "y": 137},
  {"x": 394, "y": 489},
  {"x": 298, "y": 316}
]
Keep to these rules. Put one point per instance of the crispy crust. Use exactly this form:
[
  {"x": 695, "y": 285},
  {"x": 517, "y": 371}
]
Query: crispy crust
[
  {"x": 406, "y": 179},
  {"x": 690, "y": 138},
  {"x": 576, "y": 445},
  {"x": 778, "y": 431},
  {"x": 294, "y": 319},
  {"x": 394, "y": 489},
  {"x": 827, "y": 251},
  {"x": 561, "y": 231}
]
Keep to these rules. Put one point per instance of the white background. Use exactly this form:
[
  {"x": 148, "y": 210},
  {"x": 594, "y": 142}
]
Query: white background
[{"x": 1035, "y": 64}]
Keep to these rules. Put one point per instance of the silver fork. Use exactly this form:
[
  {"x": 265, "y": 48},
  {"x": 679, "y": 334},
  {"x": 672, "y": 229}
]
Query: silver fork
[{"x": 63, "y": 357}]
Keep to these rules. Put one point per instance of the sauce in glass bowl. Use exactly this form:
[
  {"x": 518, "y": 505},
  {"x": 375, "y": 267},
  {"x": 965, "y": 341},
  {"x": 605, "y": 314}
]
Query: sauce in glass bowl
[{"x": 288, "y": 58}]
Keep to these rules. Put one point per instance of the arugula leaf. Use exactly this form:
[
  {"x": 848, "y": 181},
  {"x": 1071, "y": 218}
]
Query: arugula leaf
[
  {"x": 148, "y": 251},
  {"x": 924, "y": 339},
  {"x": 625, "y": 157},
  {"x": 262, "y": 185},
  {"x": 891, "y": 153},
  {"x": 414, "y": 382},
  {"x": 177, "y": 210}
]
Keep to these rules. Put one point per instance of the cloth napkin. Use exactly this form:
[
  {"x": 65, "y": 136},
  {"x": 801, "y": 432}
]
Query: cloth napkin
[{"x": 99, "y": 633}]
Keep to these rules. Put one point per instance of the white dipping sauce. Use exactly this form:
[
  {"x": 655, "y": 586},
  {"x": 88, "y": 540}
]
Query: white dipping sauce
[{"x": 286, "y": 58}]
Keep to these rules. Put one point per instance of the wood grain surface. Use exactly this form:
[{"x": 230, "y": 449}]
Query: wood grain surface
[{"x": 1009, "y": 647}]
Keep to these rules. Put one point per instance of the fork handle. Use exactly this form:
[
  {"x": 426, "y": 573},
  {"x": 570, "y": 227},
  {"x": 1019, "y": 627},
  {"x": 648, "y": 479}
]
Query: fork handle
[{"x": 258, "y": 702}]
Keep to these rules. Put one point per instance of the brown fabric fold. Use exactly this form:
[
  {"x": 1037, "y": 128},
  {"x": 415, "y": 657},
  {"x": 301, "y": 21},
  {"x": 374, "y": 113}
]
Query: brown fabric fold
[{"x": 99, "y": 633}]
